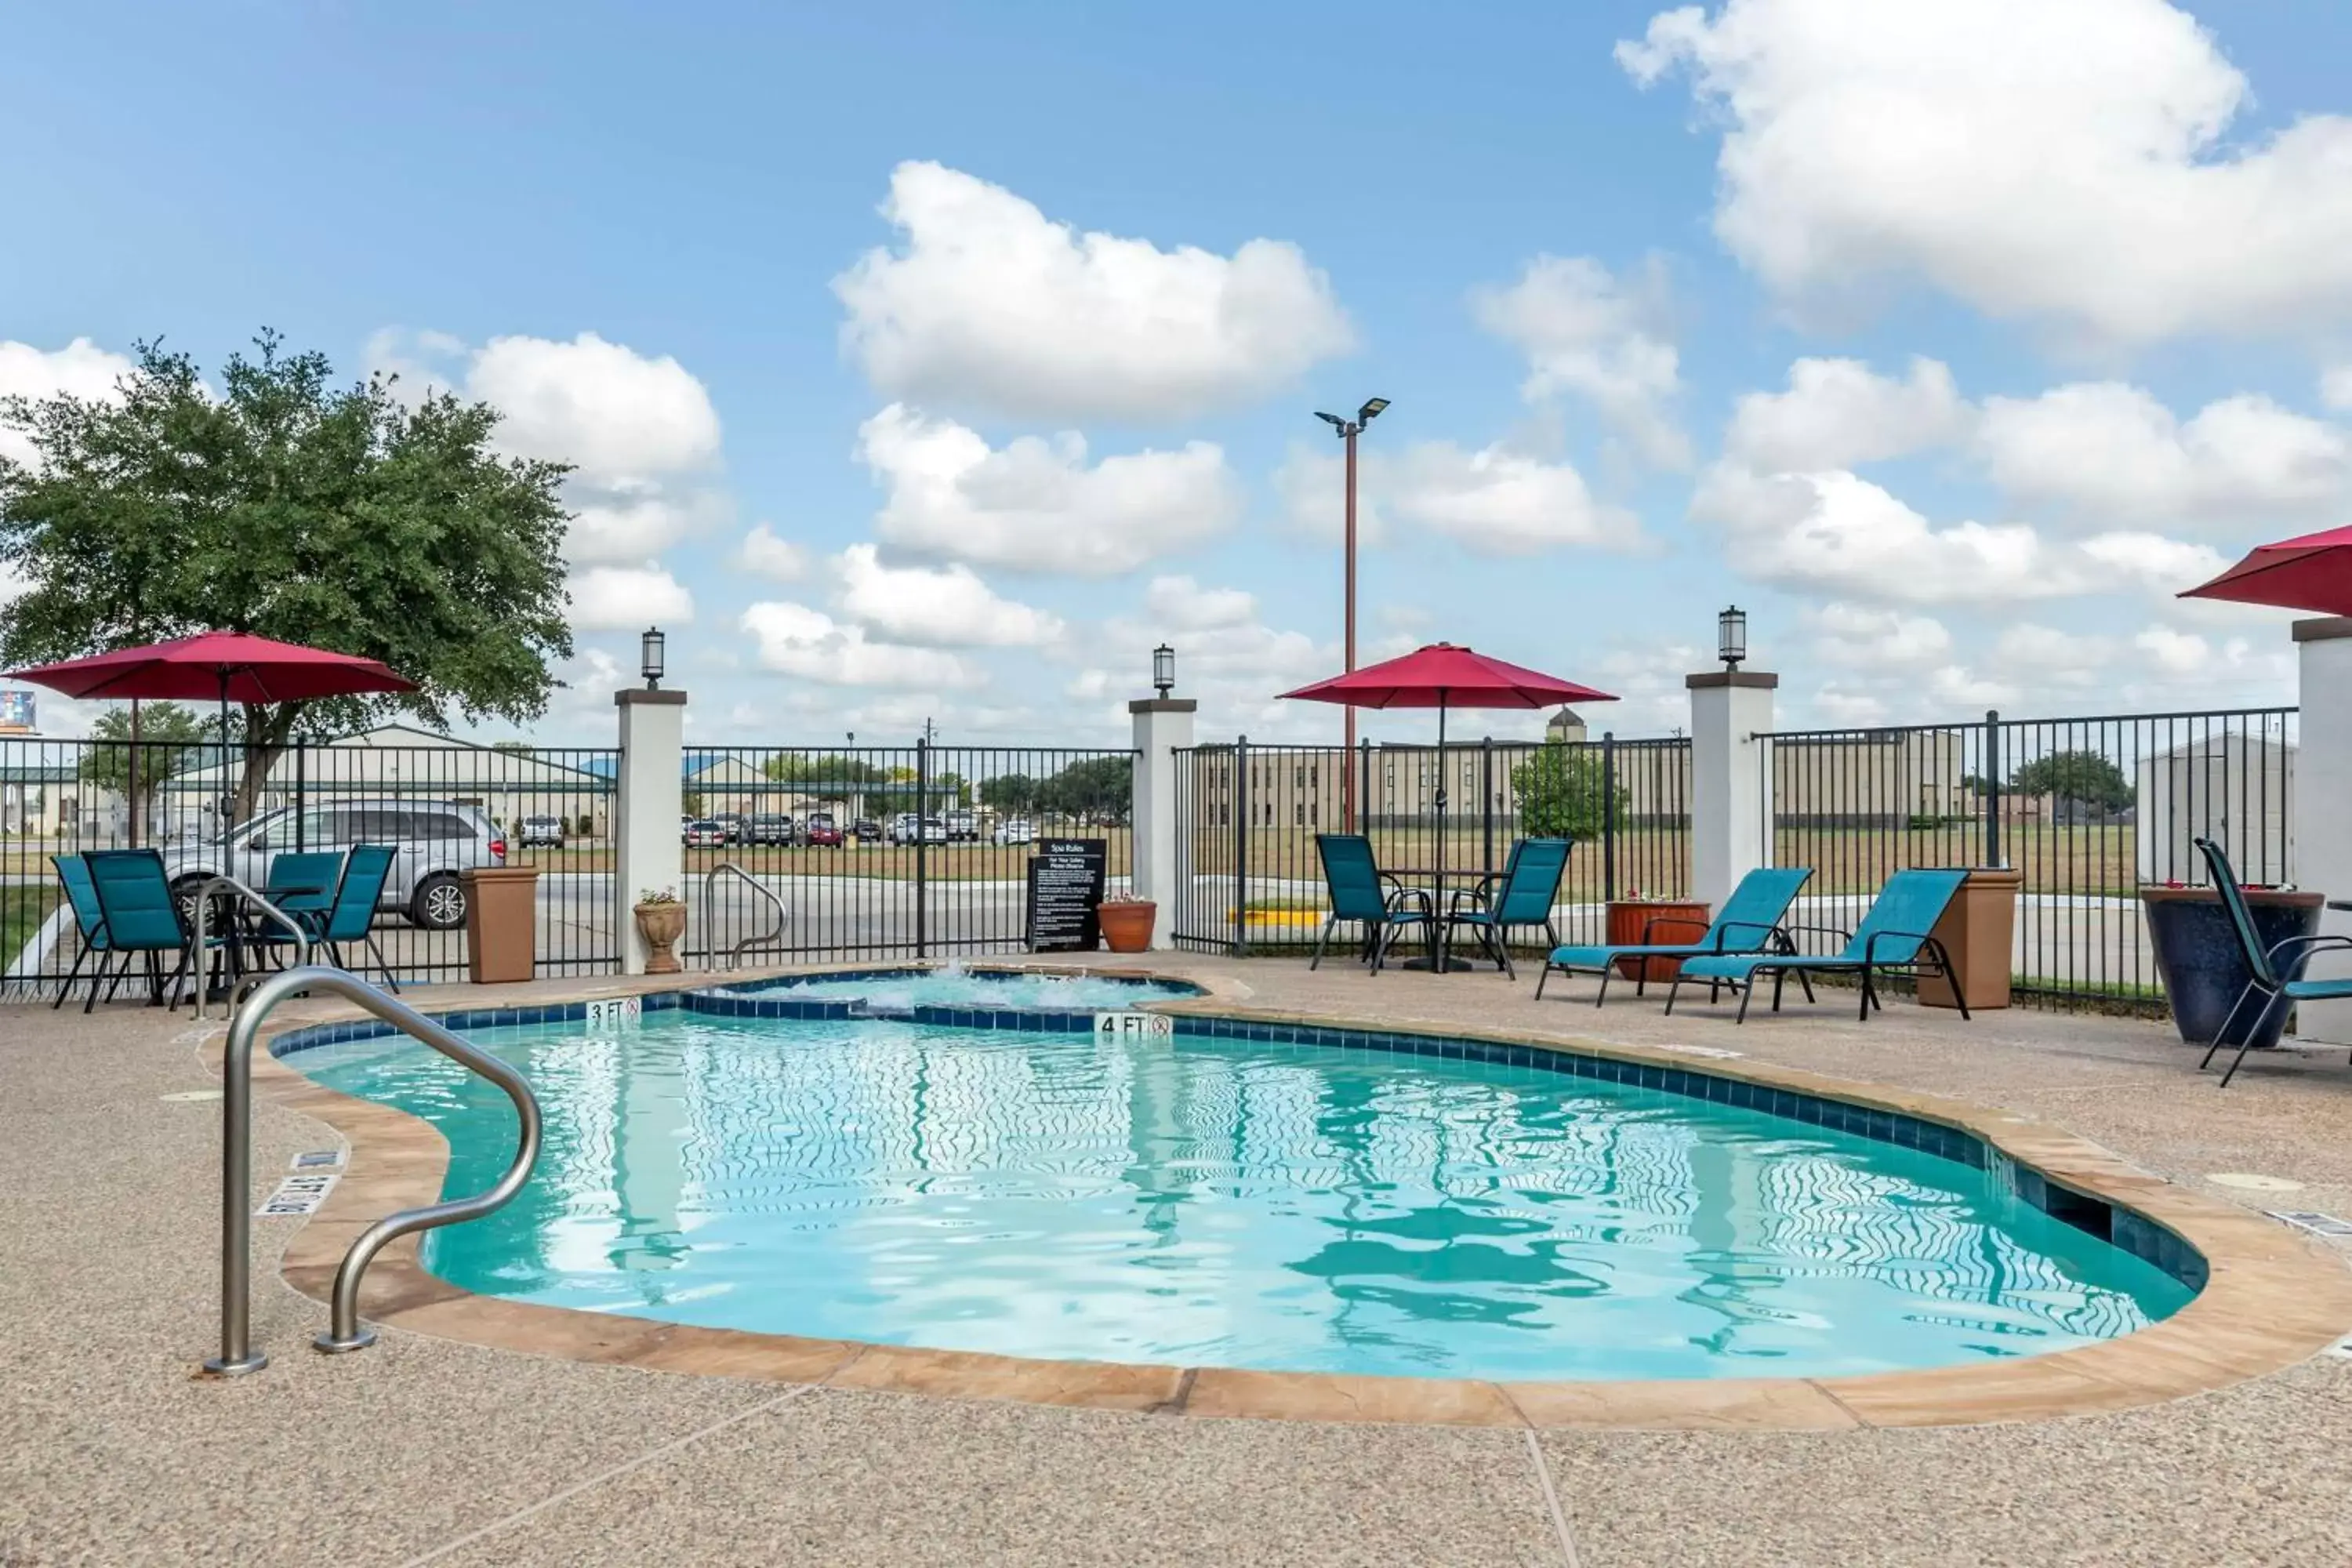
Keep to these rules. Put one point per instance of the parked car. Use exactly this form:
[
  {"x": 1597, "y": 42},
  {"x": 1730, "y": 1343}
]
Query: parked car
[
  {"x": 768, "y": 828},
  {"x": 866, "y": 830},
  {"x": 902, "y": 828},
  {"x": 934, "y": 830},
  {"x": 731, "y": 824},
  {"x": 1015, "y": 830},
  {"x": 702, "y": 833},
  {"x": 541, "y": 832},
  {"x": 822, "y": 831},
  {"x": 434, "y": 843},
  {"x": 962, "y": 827}
]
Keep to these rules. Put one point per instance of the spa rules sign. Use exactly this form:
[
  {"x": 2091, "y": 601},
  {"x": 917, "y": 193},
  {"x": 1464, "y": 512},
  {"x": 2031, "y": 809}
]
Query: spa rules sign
[{"x": 1065, "y": 889}]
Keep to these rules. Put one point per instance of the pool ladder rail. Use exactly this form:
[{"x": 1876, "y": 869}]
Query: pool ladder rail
[
  {"x": 774, "y": 939},
  {"x": 204, "y": 896},
  {"x": 345, "y": 1332}
]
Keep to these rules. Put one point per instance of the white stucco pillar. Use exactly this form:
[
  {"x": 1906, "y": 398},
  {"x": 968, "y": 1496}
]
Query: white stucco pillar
[
  {"x": 1163, "y": 725},
  {"x": 2322, "y": 784},
  {"x": 1730, "y": 782},
  {"x": 649, "y": 852}
]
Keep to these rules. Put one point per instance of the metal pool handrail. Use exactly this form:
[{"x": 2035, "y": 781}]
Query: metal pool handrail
[
  {"x": 345, "y": 1331},
  {"x": 774, "y": 939},
  {"x": 204, "y": 896}
]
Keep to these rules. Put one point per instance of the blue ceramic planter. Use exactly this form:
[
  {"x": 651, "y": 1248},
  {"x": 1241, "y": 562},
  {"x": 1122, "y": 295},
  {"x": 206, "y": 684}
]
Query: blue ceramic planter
[{"x": 2203, "y": 967}]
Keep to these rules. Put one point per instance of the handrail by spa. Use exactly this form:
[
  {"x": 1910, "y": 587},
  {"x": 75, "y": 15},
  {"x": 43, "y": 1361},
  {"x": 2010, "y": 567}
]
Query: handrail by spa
[
  {"x": 710, "y": 932},
  {"x": 345, "y": 1331}
]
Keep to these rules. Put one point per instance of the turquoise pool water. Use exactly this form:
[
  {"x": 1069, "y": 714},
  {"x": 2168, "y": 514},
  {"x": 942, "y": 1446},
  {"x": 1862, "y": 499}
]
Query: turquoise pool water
[
  {"x": 1214, "y": 1202},
  {"x": 897, "y": 992}
]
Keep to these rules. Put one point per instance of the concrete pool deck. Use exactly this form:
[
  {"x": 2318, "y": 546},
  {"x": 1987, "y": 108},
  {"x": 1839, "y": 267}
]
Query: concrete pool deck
[{"x": 426, "y": 1448}]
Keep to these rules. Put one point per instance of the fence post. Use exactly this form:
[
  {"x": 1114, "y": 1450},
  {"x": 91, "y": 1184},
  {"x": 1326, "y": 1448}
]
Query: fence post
[
  {"x": 1487, "y": 798},
  {"x": 1163, "y": 731},
  {"x": 1731, "y": 787},
  {"x": 647, "y": 853},
  {"x": 1992, "y": 789},
  {"x": 1363, "y": 823},
  {"x": 1608, "y": 816},
  {"x": 923, "y": 865},
  {"x": 1241, "y": 795}
]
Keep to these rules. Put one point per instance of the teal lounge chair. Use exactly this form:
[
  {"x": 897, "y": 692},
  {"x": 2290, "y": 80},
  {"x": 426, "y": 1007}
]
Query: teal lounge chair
[
  {"x": 82, "y": 894},
  {"x": 1361, "y": 892},
  {"x": 1750, "y": 923},
  {"x": 1893, "y": 937},
  {"x": 2274, "y": 971},
  {"x": 140, "y": 915},
  {"x": 1521, "y": 894}
]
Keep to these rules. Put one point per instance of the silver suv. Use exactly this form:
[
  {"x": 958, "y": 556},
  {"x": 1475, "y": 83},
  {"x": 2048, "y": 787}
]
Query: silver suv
[{"x": 432, "y": 842}]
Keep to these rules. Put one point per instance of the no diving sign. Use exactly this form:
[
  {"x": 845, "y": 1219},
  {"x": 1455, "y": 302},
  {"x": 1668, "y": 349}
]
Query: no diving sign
[
  {"x": 1134, "y": 1026},
  {"x": 298, "y": 1195}
]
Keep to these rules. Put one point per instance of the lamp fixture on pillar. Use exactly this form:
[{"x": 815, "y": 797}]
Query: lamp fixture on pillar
[
  {"x": 1731, "y": 636},
  {"x": 1163, "y": 669},
  {"x": 651, "y": 644}
]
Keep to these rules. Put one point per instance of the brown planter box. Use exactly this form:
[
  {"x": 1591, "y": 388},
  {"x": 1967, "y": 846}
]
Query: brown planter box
[
  {"x": 1668, "y": 921},
  {"x": 501, "y": 923},
  {"x": 1979, "y": 932}
]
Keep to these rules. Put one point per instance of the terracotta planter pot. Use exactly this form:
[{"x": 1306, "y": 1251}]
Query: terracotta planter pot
[
  {"x": 660, "y": 926},
  {"x": 1126, "y": 928}
]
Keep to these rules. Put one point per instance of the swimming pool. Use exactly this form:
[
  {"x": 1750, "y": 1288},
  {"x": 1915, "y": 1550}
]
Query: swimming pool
[
  {"x": 900, "y": 991},
  {"x": 1225, "y": 1202}
]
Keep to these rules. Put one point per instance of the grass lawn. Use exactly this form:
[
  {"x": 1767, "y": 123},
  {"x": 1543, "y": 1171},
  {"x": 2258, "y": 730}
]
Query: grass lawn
[{"x": 23, "y": 908}]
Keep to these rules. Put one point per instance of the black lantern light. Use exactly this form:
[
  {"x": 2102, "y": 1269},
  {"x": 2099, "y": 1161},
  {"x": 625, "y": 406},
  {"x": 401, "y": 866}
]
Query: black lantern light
[
  {"x": 1731, "y": 636},
  {"x": 1163, "y": 669},
  {"x": 651, "y": 644}
]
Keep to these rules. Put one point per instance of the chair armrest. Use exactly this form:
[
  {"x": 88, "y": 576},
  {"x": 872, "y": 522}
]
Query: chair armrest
[
  {"x": 1790, "y": 932},
  {"x": 1870, "y": 944},
  {"x": 1655, "y": 921},
  {"x": 1730, "y": 926},
  {"x": 2310, "y": 944}
]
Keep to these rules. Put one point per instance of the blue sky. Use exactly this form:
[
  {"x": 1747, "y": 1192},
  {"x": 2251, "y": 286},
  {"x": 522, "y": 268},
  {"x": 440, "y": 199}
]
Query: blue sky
[{"x": 1948, "y": 339}]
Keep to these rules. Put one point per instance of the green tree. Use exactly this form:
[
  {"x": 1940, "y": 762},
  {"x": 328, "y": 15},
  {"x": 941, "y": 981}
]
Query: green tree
[
  {"x": 2088, "y": 777},
  {"x": 285, "y": 505},
  {"x": 171, "y": 740},
  {"x": 1100, "y": 789},
  {"x": 1563, "y": 791},
  {"x": 1013, "y": 795}
]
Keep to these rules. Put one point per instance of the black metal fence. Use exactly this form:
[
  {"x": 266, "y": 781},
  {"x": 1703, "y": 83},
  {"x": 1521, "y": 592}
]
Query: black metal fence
[
  {"x": 1249, "y": 879},
  {"x": 446, "y": 808},
  {"x": 2087, "y": 810},
  {"x": 881, "y": 850}
]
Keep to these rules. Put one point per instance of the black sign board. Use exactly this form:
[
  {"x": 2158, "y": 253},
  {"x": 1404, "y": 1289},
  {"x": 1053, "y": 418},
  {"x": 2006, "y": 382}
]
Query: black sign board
[{"x": 1066, "y": 887}]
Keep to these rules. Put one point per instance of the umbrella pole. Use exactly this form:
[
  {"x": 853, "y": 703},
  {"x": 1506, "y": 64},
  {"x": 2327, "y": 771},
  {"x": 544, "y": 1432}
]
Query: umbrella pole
[
  {"x": 227, "y": 800},
  {"x": 134, "y": 772},
  {"x": 1437, "y": 915}
]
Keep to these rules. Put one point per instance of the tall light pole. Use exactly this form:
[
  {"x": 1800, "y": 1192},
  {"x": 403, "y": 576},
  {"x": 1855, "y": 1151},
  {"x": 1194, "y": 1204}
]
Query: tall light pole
[{"x": 1349, "y": 430}]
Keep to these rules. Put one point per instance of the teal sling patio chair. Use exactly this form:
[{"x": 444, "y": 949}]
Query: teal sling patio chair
[
  {"x": 142, "y": 917},
  {"x": 1749, "y": 923},
  {"x": 301, "y": 885},
  {"x": 1896, "y": 936},
  {"x": 353, "y": 916},
  {"x": 2275, "y": 971},
  {"x": 1360, "y": 891},
  {"x": 1521, "y": 895},
  {"x": 82, "y": 893}
]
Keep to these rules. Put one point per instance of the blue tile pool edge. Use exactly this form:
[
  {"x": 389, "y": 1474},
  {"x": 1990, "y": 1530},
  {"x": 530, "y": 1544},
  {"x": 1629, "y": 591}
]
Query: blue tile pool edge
[{"x": 2119, "y": 1226}]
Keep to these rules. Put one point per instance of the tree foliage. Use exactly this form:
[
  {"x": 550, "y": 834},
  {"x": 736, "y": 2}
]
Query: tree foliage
[
  {"x": 285, "y": 505},
  {"x": 1099, "y": 789},
  {"x": 1563, "y": 791},
  {"x": 2090, "y": 778},
  {"x": 170, "y": 743},
  {"x": 1014, "y": 794}
]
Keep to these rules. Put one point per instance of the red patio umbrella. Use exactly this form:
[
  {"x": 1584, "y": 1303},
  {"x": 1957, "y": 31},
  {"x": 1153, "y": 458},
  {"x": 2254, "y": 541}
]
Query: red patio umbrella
[
  {"x": 230, "y": 666},
  {"x": 2311, "y": 572},
  {"x": 1441, "y": 675}
]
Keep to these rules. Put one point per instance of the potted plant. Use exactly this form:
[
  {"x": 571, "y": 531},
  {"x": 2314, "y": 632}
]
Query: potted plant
[
  {"x": 1126, "y": 924},
  {"x": 661, "y": 920}
]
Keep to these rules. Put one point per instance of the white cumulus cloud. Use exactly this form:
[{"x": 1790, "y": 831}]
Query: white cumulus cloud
[
  {"x": 1495, "y": 500},
  {"x": 991, "y": 307},
  {"x": 1036, "y": 505},
  {"x": 793, "y": 639},
  {"x": 1591, "y": 334},
  {"x": 766, "y": 554},
  {"x": 627, "y": 598},
  {"x": 2069, "y": 160},
  {"x": 945, "y": 608},
  {"x": 80, "y": 369},
  {"x": 1840, "y": 414}
]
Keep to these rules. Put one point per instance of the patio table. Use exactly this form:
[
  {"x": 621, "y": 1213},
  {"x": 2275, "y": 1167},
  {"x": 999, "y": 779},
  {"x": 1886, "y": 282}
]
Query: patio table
[{"x": 1441, "y": 960}]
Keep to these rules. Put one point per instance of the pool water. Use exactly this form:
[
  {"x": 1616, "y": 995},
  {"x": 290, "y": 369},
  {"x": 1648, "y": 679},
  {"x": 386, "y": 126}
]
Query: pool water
[
  {"x": 900, "y": 991},
  {"x": 1215, "y": 1202}
]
